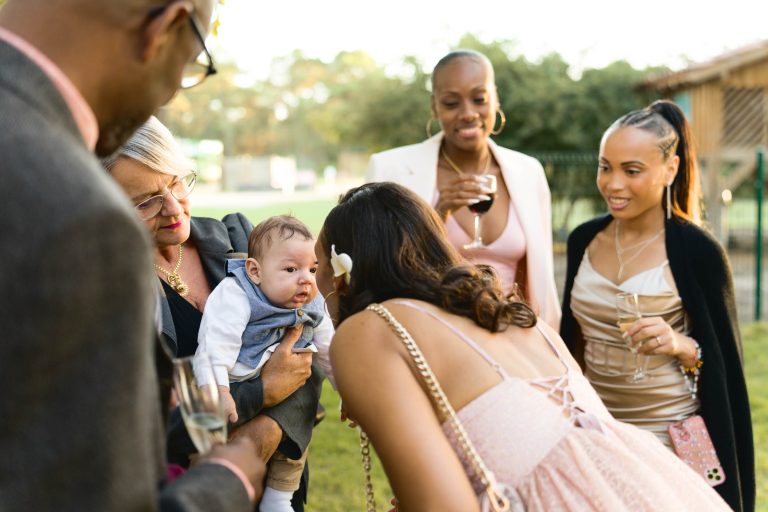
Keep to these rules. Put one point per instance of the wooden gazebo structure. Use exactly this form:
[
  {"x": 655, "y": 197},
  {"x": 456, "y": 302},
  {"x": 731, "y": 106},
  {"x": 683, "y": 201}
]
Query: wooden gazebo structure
[{"x": 726, "y": 100}]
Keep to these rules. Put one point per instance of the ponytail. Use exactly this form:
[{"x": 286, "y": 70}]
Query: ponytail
[{"x": 686, "y": 193}]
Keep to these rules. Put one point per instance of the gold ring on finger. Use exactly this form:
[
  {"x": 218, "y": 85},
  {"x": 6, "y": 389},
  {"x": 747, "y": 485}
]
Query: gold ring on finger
[{"x": 658, "y": 341}]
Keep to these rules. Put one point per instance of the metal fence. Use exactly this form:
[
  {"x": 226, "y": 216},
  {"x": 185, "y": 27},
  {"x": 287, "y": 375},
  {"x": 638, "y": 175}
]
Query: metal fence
[{"x": 575, "y": 199}]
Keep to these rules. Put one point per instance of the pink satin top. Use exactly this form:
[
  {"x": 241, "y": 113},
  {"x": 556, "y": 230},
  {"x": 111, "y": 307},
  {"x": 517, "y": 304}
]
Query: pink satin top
[{"x": 503, "y": 254}]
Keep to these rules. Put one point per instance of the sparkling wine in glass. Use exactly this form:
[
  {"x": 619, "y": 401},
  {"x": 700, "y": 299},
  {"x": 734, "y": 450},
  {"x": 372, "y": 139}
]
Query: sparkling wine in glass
[
  {"x": 199, "y": 400},
  {"x": 488, "y": 182},
  {"x": 628, "y": 312}
]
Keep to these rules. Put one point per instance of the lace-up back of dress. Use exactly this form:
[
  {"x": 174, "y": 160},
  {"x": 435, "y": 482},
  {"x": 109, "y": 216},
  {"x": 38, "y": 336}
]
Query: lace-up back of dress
[
  {"x": 554, "y": 445},
  {"x": 514, "y": 409}
]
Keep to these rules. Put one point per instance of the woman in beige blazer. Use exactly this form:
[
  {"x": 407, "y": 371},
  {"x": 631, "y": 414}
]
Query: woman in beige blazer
[{"x": 443, "y": 170}]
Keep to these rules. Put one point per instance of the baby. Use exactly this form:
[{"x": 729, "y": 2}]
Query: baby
[{"x": 246, "y": 317}]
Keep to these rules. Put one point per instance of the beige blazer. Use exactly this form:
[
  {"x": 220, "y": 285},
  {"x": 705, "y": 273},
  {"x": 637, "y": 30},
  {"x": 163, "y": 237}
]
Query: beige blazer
[{"x": 415, "y": 167}]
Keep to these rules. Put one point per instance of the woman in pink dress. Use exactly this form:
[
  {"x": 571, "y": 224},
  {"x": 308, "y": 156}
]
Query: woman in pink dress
[
  {"x": 541, "y": 435},
  {"x": 445, "y": 170}
]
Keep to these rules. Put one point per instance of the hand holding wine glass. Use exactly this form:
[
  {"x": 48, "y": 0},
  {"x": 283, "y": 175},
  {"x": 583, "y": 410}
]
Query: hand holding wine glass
[
  {"x": 488, "y": 183},
  {"x": 628, "y": 312},
  {"x": 199, "y": 401}
]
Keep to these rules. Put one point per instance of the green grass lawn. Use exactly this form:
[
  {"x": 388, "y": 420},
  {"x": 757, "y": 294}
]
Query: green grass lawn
[
  {"x": 336, "y": 477},
  {"x": 336, "y": 472},
  {"x": 755, "y": 338}
]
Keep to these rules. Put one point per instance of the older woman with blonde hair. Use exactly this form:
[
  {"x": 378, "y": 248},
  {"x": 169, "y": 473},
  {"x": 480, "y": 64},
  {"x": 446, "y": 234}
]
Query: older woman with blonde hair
[{"x": 189, "y": 259}]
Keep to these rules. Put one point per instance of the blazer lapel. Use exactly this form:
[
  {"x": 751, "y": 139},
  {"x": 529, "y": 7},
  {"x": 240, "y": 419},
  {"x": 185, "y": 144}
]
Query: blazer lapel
[
  {"x": 214, "y": 247},
  {"x": 518, "y": 185},
  {"x": 421, "y": 167}
]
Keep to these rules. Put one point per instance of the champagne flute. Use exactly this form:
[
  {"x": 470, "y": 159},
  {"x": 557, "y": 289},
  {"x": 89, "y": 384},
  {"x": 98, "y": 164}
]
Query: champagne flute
[
  {"x": 199, "y": 401},
  {"x": 488, "y": 182},
  {"x": 628, "y": 312}
]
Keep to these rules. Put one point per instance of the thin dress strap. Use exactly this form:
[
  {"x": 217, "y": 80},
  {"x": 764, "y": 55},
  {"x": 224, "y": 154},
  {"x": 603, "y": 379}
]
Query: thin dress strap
[
  {"x": 556, "y": 387},
  {"x": 551, "y": 344},
  {"x": 469, "y": 341}
]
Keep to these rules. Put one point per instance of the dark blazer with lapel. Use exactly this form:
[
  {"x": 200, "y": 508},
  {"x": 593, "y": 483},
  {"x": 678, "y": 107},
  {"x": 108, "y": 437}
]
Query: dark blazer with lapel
[
  {"x": 80, "y": 426},
  {"x": 703, "y": 278}
]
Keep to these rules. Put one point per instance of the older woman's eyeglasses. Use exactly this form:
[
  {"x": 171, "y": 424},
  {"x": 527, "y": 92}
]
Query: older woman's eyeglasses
[
  {"x": 202, "y": 67},
  {"x": 180, "y": 189}
]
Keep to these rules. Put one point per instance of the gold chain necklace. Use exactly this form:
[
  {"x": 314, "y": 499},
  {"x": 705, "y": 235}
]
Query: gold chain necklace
[
  {"x": 621, "y": 250},
  {"x": 456, "y": 167},
  {"x": 174, "y": 279}
]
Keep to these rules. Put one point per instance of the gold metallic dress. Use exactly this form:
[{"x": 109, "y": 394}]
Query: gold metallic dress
[{"x": 665, "y": 395}]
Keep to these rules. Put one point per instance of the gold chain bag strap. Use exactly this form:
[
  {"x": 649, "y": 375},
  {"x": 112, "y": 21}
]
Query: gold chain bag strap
[
  {"x": 365, "y": 452},
  {"x": 496, "y": 501}
]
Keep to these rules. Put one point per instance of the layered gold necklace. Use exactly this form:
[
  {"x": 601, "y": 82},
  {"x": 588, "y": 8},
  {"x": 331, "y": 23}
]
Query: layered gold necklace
[
  {"x": 174, "y": 279},
  {"x": 621, "y": 250},
  {"x": 458, "y": 169}
]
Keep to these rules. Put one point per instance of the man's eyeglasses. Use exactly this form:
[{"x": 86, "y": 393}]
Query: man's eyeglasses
[
  {"x": 180, "y": 189},
  {"x": 202, "y": 67}
]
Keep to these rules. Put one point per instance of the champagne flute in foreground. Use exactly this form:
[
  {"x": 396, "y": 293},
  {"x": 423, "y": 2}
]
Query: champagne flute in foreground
[
  {"x": 488, "y": 182},
  {"x": 628, "y": 312},
  {"x": 198, "y": 394}
]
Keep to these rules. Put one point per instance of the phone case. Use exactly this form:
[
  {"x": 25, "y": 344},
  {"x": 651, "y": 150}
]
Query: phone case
[{"x": 693, "y": 445}]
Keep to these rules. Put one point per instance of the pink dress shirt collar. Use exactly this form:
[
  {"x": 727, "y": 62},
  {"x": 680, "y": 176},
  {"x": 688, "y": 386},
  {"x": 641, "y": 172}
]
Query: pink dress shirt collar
[{"x": 81, "y": 111}]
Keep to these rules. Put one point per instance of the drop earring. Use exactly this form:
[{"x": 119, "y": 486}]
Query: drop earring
[{"x": 669, "y": 201}]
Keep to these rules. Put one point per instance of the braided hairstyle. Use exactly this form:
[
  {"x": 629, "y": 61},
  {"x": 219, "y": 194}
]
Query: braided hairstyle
[{"x": 665, "y": 119}]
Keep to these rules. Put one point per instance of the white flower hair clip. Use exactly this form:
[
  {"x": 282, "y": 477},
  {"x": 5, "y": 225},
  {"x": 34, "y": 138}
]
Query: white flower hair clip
[{"x": 341, "y": 263}]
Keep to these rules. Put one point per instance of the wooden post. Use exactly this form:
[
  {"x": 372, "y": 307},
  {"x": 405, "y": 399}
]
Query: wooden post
[{"x": 759, "y": 189}]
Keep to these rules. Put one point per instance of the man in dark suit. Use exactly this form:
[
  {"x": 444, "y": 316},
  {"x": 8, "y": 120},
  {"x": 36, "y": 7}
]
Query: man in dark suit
[{"x": 80, "y": 426}]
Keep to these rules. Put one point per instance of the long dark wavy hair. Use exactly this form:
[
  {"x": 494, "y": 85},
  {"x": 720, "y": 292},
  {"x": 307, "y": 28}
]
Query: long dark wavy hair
[
  {"x": 667, "y": 121},
  {"x": 400, "y": 249}
]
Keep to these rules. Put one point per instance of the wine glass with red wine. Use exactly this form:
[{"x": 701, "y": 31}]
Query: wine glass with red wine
[{"x": 488, "y": 182}]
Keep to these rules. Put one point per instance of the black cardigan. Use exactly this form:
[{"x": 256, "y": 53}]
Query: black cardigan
[{"x": 703, "y": 278}]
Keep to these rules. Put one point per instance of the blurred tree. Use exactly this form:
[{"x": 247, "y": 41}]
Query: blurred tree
[
  {"x": 241, "y": 117},
  {"x": 389, "y": 111},
  {"x": 316, "y": 110}
]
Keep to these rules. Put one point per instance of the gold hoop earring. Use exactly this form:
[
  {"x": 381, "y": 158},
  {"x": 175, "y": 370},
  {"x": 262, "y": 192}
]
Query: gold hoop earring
[
  {"x": 503, "y": 122},
  {"x": 325, "y": 307},
  {"x": 429, "y": 126}
]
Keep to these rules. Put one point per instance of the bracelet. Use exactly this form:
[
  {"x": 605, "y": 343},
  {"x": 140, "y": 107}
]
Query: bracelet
[
  {"x": 698, "y": 364},
  {"x": 691, "y": 373}
]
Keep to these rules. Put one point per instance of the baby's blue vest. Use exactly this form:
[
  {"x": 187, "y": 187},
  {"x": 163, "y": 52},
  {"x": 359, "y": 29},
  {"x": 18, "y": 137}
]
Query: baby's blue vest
[{"x": 268, "y": 323}]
